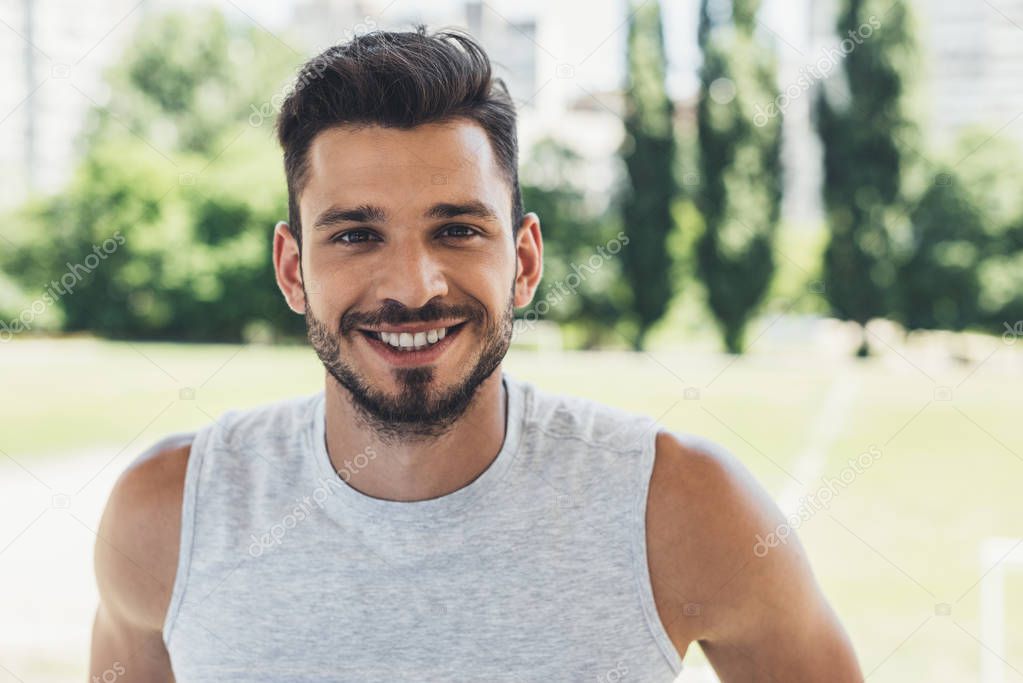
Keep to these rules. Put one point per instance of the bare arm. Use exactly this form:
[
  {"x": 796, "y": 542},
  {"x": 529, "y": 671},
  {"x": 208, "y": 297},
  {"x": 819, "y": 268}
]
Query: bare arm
[
  {"x": 125, "y": 651},
  {"x": 135, "y": 563},
  {"x": 756, "y": 611}
]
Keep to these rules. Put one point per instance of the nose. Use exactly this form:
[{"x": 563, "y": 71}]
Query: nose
[{"x": 412, "y": 277}]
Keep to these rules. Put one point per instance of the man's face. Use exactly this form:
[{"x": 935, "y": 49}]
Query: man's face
[{"x": 408, "y": 230}]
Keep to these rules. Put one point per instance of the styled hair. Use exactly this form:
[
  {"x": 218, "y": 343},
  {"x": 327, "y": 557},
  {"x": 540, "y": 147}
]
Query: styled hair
[{"x": 398, "y": 79}]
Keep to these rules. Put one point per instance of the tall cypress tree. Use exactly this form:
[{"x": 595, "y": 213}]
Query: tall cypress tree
[
  {"x": 649, "y": 156},
  {"x": 860, "y": 120},
  {"x": 740, "y": 162}
]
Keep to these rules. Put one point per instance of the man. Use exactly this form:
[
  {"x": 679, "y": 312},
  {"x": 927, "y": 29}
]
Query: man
[{"x": 428, "y": 516}]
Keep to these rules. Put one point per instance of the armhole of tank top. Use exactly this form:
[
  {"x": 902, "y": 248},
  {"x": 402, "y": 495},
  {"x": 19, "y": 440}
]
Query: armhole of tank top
[
  {"x": 185, "y": 540},
  {"x": 648, "y": 453}
]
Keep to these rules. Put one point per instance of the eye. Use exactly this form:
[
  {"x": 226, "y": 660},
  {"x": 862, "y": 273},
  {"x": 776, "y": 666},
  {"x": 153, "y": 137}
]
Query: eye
[
  {"x": 471, "y": 231},
  {"x": 359, "y": 236},
  {"x": 353, "y": 236}
]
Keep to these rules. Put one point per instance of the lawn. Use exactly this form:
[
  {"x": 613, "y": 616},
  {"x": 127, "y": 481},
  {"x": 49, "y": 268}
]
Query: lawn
[{"x": 897, "y": 551}]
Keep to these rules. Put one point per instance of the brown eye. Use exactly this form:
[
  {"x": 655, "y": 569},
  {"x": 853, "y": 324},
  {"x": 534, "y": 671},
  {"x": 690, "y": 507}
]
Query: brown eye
[
  {"x": 471, "y": 231},
  {"x": 352, "y": 236}
]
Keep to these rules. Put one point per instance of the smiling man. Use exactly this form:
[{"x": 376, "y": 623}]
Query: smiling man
[{"x": 428, "y": 516}]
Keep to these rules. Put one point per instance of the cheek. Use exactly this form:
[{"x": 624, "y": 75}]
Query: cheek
[
  {"x": 487, "y": 278},
  {"x": 491, "y": 263},
  {"x": 328, "y": 274},
  {"x": 328, "y": 294}
]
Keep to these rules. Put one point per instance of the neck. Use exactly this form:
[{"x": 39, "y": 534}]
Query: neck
[{"x": 417, "y": 470}]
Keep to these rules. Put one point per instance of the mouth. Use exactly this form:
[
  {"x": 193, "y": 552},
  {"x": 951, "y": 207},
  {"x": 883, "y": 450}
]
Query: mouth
[{"x": 412, "y": 348}]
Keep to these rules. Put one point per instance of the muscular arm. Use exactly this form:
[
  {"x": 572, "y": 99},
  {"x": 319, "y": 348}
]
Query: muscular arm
[
  {"x": 756, "y": 615},
  {"x": 135, "y": 563}
]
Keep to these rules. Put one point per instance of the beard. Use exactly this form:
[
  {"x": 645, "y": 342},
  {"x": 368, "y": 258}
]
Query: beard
[{"x": 420, "y": 410}]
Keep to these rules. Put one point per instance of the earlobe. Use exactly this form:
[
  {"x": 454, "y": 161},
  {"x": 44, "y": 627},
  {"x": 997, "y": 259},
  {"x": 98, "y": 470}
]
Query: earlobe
[{"x": 297, "y": 301}]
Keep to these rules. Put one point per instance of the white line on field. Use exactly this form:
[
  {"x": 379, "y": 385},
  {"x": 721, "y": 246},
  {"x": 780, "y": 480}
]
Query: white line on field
[{"x": 825, "y": 429}]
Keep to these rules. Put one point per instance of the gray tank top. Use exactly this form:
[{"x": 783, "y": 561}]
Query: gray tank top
[{"x": 534, "y": 571}]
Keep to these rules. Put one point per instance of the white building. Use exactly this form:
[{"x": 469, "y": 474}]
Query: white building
[
  {"x": 52, "y": 55},
  {"x": 974, "y": 57}
]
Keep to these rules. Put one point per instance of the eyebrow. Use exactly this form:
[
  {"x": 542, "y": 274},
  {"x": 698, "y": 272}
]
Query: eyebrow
[
  {"x": 473, "y": 208},
  {"x": 364, "y": 213},
  {"x": 367, "y": 213}
]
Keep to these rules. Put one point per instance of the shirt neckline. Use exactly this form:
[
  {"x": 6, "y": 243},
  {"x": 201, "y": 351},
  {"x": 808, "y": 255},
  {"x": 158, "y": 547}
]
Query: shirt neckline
[{"x": 339, "y": 494}]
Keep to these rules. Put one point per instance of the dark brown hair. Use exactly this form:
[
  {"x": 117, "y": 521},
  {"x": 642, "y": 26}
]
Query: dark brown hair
[{"x": 401, "y": 80}]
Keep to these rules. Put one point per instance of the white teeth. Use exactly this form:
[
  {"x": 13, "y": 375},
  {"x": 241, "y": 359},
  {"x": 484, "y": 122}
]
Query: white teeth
[{"x": 407, "y": 341}]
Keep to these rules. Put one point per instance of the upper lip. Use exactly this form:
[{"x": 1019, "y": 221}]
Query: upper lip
[{"x": 412, "y": 328}]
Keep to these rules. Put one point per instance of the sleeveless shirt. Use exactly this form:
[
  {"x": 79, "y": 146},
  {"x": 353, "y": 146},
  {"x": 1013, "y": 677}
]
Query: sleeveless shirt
[{"x": 534, "y": 571}]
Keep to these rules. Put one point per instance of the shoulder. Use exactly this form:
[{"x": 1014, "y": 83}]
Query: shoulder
[
  {"x": 754, "y": 608},
  {"x": 705, "y": 512},
  {"x": 705, "y": 479},
  {"x": 136, "y": 553}
]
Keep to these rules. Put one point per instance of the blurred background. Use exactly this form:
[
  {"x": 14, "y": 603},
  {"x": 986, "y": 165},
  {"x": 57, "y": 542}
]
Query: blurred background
[{"x": 794, "y": 227}]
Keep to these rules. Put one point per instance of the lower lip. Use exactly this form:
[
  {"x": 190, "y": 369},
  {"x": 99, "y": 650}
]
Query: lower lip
[{"x": 408, "y": 358}]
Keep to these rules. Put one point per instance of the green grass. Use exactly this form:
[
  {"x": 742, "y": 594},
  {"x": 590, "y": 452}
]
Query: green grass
[
  {"x": 65, "y": 395},
  {"x": 902, "y": 537}
]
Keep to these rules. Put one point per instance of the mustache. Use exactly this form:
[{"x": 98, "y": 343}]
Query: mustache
[{"x": 394, "y": 313}]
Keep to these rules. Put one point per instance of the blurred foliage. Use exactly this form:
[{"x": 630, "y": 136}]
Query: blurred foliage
[
  {"x": 187, "y": 78},
  {"x": 740, "y": 186},
  {"x": 648, "y": 153},
  {"x": 582, "y": 284},
  {"x": 181, "y": 183},
  {"x": 963, "y": 264},
  {"x": 860, "y": 118},
  {"x": 189, "y": 261},
  {"x": 938, "y": 286}
]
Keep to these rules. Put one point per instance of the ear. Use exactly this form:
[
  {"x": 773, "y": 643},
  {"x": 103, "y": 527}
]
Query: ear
[
  {"x": 529, "y": 260},
  {"x": 288, "y": 267}
]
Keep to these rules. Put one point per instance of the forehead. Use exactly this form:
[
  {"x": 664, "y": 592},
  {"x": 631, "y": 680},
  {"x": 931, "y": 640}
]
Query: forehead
[{"x": 402, "y": 169}]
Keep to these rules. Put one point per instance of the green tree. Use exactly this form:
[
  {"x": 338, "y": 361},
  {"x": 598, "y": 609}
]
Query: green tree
[
  {"x": 939, "y": 286},
  {"x": 986, "y": 169},
  {"x": 188, "y": 79},
  {"x": 740, "y": 187},
  {"x": 177, "y": 261},
  {"x": 177, "y": 192},
  {"x": 861, "y": 118},
  {"x": 582, "y": 288},
  {"x": 649, "y": 157}
]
